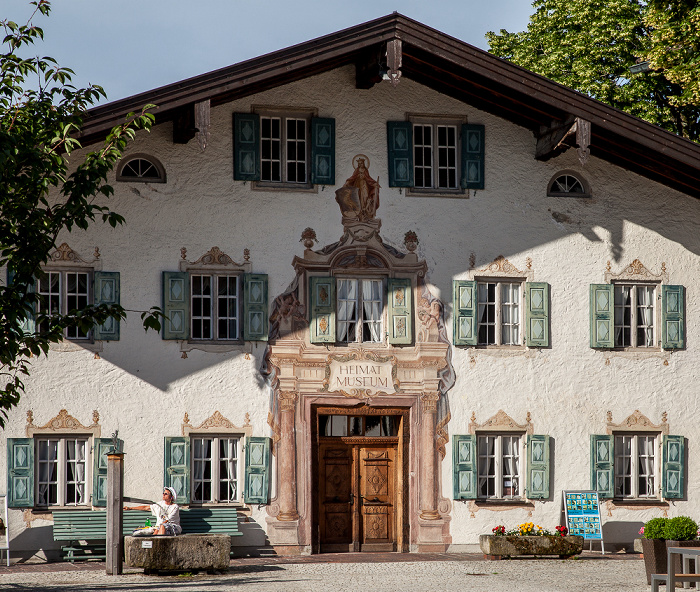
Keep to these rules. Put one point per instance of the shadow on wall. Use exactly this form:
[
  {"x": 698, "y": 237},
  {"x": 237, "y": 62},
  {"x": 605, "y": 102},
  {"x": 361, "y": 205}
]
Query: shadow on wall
[
  {"x": 253, "y": 543},
  {"x": 35, "y": 544},
  {"x": 621, "y": 534}
]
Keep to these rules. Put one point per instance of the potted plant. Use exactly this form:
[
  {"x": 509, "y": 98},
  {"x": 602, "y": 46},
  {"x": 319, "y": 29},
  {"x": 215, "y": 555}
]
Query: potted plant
[
  {"x": 660, "y": 533},
  {"x": 529, "y": 539}
]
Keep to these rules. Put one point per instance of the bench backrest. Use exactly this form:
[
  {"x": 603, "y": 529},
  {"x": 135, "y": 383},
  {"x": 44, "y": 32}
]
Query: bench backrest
[{"x": 71, "y": 525}]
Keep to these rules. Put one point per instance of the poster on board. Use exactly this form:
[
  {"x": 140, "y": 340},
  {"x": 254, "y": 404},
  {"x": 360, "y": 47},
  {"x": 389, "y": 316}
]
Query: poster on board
[{"x": 582, "y": 512}]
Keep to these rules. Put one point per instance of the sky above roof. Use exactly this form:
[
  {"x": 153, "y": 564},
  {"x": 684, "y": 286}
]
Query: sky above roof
[{"x": 131, "y": 46}]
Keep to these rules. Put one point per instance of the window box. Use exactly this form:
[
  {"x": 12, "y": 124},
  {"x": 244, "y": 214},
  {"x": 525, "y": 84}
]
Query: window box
[{"x": 515, "y": 546}]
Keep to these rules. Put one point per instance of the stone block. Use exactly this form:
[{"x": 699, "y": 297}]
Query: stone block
[
  {"x": 178, "y": 553},
  {"x": 512, "y": 546}
]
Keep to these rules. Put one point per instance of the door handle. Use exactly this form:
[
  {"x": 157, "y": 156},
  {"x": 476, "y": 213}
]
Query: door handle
[{"x": 352, "y": 498}]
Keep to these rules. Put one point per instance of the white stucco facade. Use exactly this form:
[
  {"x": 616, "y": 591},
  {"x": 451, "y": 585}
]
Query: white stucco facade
[{"x": 143, "y": 385}]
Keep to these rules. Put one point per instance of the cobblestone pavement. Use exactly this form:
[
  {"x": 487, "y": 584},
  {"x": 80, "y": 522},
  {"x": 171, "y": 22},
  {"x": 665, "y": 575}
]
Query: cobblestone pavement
[{"x": 345, "y": 573}]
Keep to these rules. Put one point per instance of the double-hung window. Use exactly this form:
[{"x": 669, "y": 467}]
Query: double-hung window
[
  {"x": 61, "y": 292},
  {"x": 215, "y": 469},
  {"x": 435, "y": 156},
  {"x": 636, "y": 466},
  {"x": 359, "y": 310},
  {"x": 215, "y": 307},
  {"x": 284, "y": 149},
  {"x": 61, "y": 471},
  {"x": 635, "y": 315},
  {"x": 499, "y": 313},
  {"x": 499, "y": 466}
]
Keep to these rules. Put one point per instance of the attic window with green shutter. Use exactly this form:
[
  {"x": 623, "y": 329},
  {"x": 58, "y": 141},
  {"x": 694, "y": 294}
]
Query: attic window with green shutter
[{"x": 142, "y": 168}]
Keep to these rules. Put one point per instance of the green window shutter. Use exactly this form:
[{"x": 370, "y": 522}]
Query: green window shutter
[
  {"x": 673, "y": 471},
  {"x": 255, "y": 313},
  {"x": 400, "y": 311},
  {"x": 602, "y": 465},
  {"x": 20, "y": 472},
  {"x": 177, "y": 467},
  {"x": 537, "y": 314},
  {"x": 322, "y": 151},
  {"x": 257, "y": 471},
  {"x": 99, "y": 472},
  {"x": 29, "y": 323},
  {"x": 400, "y": 147},
  {"x": 602, "y": 315},
  {"x": 464, "y": 466},
  {"x": 246, "y": 147},
  {"x": 472, "y": 156},
  {"x": 176, "y": 305},
  {"x": 106, "y": 290},
  {"x": 322, "y": 309},
  {"x": 537, "y": 467},
  {"x": 672, "y": 317},
  {"x": 464, "y": 312}
]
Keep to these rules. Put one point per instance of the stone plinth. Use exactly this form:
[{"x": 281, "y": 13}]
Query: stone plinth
[
  {"x": 511, "y": 546},
  {"x": 178, "y": 553}
]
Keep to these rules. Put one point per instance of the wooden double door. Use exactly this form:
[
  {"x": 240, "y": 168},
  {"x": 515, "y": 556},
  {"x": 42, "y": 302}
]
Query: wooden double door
[{"x": 358, "y": 495}]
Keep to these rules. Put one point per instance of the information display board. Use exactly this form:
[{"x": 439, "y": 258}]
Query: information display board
[{"x": 583, "y": 514}]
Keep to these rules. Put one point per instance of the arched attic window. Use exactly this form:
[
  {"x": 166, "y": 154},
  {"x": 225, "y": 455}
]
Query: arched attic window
[
  {"x": 141, "y": 167},
  {"x": 568, "y": 184}
]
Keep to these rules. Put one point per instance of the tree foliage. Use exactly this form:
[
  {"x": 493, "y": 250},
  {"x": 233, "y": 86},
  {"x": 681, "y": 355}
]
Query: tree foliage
[
  {"x": 590, "y": 46},
  {"x": 43, "y": 193}
]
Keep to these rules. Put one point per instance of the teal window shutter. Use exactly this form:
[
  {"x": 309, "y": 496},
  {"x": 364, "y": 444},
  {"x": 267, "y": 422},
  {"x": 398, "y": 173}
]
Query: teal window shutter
[
  {"x": 107, "y": 291},
  {"x": 255, "y": 313},
  {"x": 602, "y": 465},
  {"x": 322, "y": 309},
  {"x": 400, "y": 311},
  {"x": 464, "y": 466},
  {"x": 99, "y": 470},
  {"x": 400, "y": 147},
  {"x": 602, "y": 315},
  {"x": 322, "y": 151},
  {"x": 246, "y": 147},
  {"x": 257, "y": 471},
  {"x": 176, "y": 305},
  {"x": 29, "y": 322},
  {"x": 673, "y": 463},
  {"x": 464, "y": 312},
  {"x": 672, "y": 317},
  {"x": 177, "y": 467},
  {"x": 537, "y": 467},
  {"x": 20, "y": 472},
  {"x": 472, "y": 156},
  {"x": 537, "y": 314}
]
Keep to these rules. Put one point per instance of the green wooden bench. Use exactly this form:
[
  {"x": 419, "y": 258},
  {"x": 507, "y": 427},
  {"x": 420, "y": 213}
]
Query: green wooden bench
[{"x": 76, "y": 526}]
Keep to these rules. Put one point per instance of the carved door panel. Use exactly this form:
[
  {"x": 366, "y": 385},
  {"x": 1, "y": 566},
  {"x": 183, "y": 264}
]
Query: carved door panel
[
  {"x": 335, "y": 497},
  {"x": 377, "y": 498}
]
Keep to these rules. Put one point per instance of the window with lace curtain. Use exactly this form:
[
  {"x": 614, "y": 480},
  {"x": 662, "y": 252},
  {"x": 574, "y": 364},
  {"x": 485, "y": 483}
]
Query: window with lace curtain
[
  {"x": 215, "y": 469},
  {"x": 636, "y": 466},
  {"x": 499, "y": 466},
  {"x": 359, "y": 310},
  {"x": 61, "y": 471},
  {"x": 635, "y": 315}
]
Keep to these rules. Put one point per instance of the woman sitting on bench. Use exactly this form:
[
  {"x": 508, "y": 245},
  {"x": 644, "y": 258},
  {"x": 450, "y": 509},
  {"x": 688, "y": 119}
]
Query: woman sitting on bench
[{"x": 167, "y": 512}]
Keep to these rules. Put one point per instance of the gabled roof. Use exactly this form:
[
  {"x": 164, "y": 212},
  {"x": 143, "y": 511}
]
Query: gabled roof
[{"x": 447, "y": 65}]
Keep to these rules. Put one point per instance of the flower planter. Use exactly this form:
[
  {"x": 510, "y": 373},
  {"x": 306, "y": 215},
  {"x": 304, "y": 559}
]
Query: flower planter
[
  {"x": 513, "y": 546},
  {"x": 655, "y": 555}
]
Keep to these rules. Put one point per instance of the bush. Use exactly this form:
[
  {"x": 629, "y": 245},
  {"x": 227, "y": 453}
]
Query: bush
[
  {"x": 655, "y": 528},
  {"x": 680, "y": 528}
]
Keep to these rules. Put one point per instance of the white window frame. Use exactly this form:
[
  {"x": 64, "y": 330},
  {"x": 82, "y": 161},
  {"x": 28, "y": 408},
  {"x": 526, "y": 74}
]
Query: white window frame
[
  {"x": 360, "y": 320},
  {"x": 212, "y": 313},
  {"x": 61, "y": 476},
  {"x": 284, "y": 115},
  {"x": 215, "y": 460},
  {"x": 499, "y": 490},
  {"x": 498, "y": 304},
  {"x": 62, "y": 296},
  {"x": 634, "y": 306},
  {"x": 634, "y": 474}
]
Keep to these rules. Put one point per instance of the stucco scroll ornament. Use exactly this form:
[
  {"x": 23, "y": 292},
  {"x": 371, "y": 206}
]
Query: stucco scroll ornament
[
  {"x": 637, "y": 421},
  {"x": 371, "y": 386},
  {"x": 501, "y": 421},
  {"x": 215, "y": 256},
  {"x": 636, "y": 271},
  {"x": 358, "y": 198},
  {"x": 501, "y": 265},
  {"x": 64, "y": 254},
  {"x": 61, "y": 423}
]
